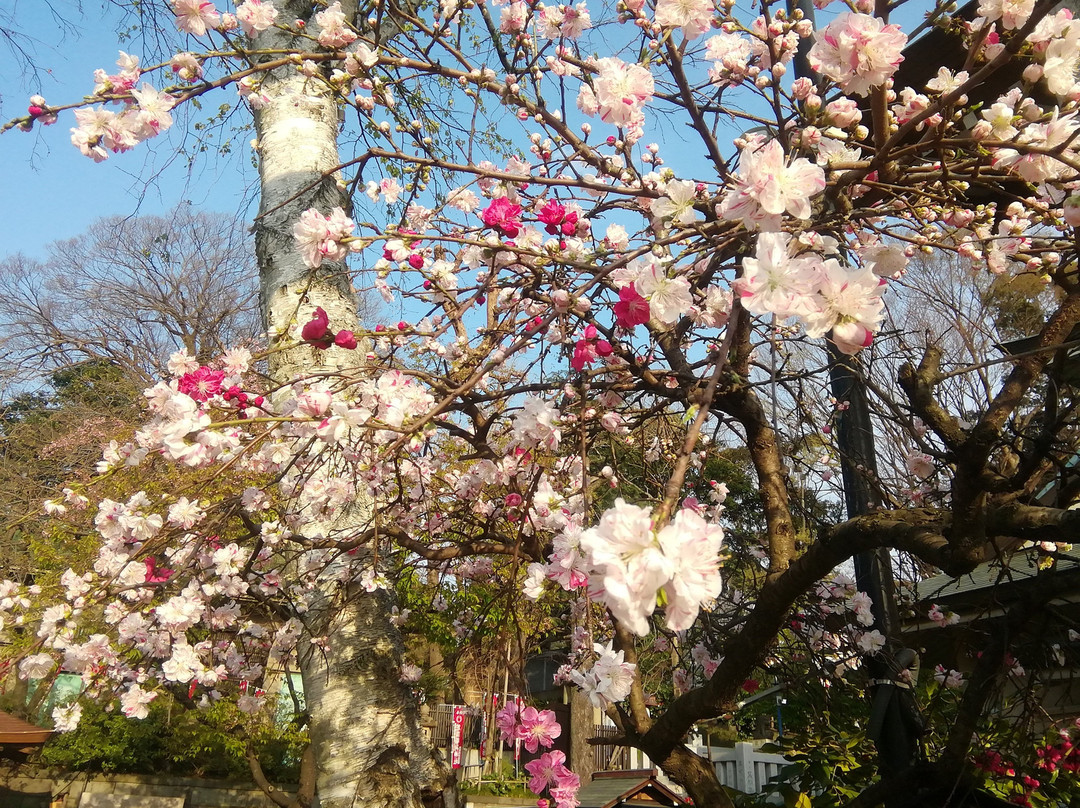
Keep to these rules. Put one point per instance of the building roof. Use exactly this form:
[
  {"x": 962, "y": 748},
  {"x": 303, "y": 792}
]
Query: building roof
[
  {"x": 627, "y": 788},
  {"x": 20, "y": 733},
  {"x": 1018, "y": 569}
]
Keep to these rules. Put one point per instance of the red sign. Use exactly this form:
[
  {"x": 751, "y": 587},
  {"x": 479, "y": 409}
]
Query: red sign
[
  {"x": 458, "y": 739},
  {"x": 517, "y": 741}
]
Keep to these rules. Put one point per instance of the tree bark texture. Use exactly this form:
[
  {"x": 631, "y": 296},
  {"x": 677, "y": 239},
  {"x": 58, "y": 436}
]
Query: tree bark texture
[{"x": 364, "y": 725}]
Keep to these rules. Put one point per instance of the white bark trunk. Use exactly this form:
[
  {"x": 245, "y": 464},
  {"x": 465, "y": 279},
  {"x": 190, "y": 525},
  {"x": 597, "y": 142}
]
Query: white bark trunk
[
  {"x": 297, "y": 144},
  {"x": 369, "y": 749},
  {"x": 366, "y": 728}
]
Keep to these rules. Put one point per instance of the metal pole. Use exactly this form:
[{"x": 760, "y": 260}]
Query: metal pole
[
  {"x": 893, "y": 719},
  {"x": 894, "y": 731}
]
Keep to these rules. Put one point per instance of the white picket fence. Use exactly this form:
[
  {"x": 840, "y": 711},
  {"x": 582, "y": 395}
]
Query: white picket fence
[{"x": 743, "y": 767}]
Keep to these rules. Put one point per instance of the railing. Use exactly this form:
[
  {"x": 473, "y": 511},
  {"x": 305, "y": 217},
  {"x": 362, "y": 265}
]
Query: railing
[
  {"x": 443, "y": 726},
  {"x": 744, "y": 768},
  {"x": 609, "y": 757}
]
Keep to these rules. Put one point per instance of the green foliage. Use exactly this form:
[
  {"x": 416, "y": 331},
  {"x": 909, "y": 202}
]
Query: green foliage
[
  {"x": 1014, "y": 303},
  {"x": 178, "y": 740},
  {"x": 505, "y": 785},
  {"x": 831, "y": 763},
  {"x": 97, "y": 386},
  {"x": 110, "y": 742}
]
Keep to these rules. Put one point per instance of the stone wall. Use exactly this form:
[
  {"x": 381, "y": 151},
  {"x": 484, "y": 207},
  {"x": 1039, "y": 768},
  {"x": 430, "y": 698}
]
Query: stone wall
[{"x": 29, "y": 788}]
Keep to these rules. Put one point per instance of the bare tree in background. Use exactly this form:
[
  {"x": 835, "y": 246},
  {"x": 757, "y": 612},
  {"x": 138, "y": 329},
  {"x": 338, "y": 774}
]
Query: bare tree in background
[{"x": 130, "y": 292}]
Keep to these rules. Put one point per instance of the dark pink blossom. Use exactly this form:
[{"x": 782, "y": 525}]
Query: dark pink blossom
[
  {"x": 316, "y": 331},
  {"x": 345, "y": 339},
  {"x": 156, "y": 574},
  {"x": 504, "y": 216},
  {"x": 565, "y": 789},
  {"x": 584, "y": 354},
  {"x": 557, "y": 220},
  {"x": 506, "y": 721},
  {"x": 632, "y": 309},
  {"x": 538, "y": 728},
  {"x": 201, "y": 384},
  {"x": 545, "y": 770}
]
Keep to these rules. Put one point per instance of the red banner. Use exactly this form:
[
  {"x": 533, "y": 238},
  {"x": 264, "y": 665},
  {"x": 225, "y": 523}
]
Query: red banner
[{"x": 458, "y": 739}]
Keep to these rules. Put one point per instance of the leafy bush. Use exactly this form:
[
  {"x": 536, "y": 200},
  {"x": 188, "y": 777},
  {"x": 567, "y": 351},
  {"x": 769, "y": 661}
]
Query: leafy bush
[{"x": 175, "y": 740}]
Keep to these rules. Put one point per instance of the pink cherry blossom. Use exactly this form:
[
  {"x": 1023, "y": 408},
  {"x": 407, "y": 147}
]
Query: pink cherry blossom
[
  {"x": 543, "y": 770},
  {"x": 766, "y": 187},
  {"x": 255, "y": 16},
  {"x": 513, "y": 16},
  {"x": 921, "y": 465},
  {"x": 135, "y": 702},
  {"x": 154, "y": 109},
  {"x": 36, "y": 666},
  {"x": 585, "y": 353},
  {"x": 858, "y": 52},
  {"x": 610, "y": 678},
  {"x": 195, "y": 16},
  {"x": 621, "y": 91},
  {"x": 693, "y": 545},
  {"x": 1012, "y": 13},
  {"x": 506, "y": 721},
  {"x": 677, "y": 203},
  {"x": 693, "y": 16},
  {"x": 669, "y": 298},
  {"x": 843, "y": 296},
  {"x": 951, "y": 679},
  {"x": 563, "y": 21},
  {"x": 773, "y": 281},
  {"x": 66, "y": 718},
  {"x": 538, "y": 728},
  {"x": 333, "y": 27},
  {"x": 320, "y": 237},
  {"x": 629, "y": 563}
]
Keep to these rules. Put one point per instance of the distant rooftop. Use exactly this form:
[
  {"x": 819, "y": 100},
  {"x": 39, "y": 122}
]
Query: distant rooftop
[
  {"x": 16, "y": 732},
  {"x": 1022, "y": 566}
]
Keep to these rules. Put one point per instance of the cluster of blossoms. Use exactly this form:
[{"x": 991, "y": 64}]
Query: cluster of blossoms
[
  {"x": 1054, "y": 759},
  {"x": 823, "y": 294},
  {"x": 943, "y": 618},
  {"x": 836, "y": 628},
  {"x": 538, "y": 729},
  {"x": 807, "y": 226},
  {"x": 320, "y": 238},
  {"x": 858, "y": 52},
  {"x": 316, "y": 332},
  {"x": 144, "y": 113},
  {"x": 630, "y": 565},
  {"x": 618, "y": 95},
  {"x": 610, "y": 678}
]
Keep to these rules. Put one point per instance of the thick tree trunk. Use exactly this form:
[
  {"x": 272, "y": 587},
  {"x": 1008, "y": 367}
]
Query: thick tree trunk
[
  {"x": 364, "y": 726},
  {"x": 297, "y": 132}
]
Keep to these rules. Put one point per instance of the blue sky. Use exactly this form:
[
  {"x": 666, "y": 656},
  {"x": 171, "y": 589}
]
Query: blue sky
[{"x": 48, "y": 190}]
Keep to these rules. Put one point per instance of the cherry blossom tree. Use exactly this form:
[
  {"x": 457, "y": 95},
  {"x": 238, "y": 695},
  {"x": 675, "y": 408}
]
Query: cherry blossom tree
[{"x": 592, "y": 220}]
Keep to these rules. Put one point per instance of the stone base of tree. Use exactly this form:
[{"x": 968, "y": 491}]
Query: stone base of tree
[{"x": 36, "y": 788}]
